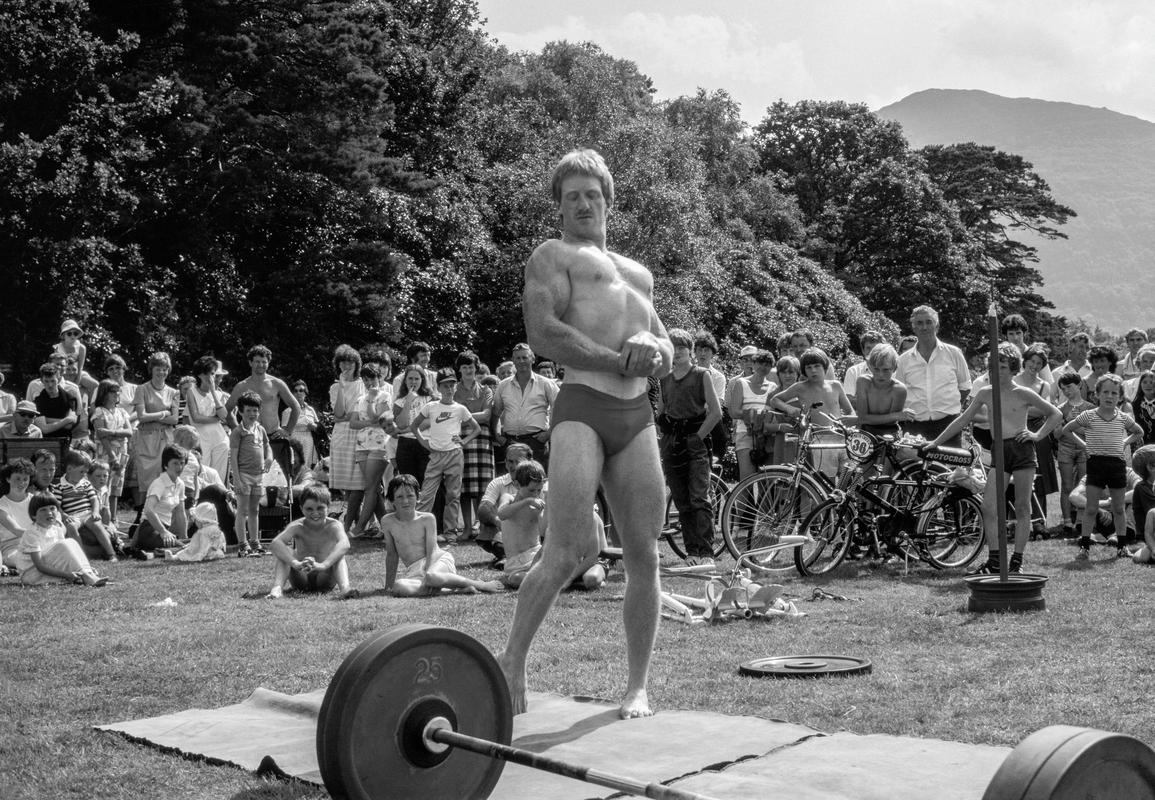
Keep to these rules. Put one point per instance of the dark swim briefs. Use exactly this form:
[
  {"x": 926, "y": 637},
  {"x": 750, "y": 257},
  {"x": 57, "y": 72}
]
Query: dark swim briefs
[
  {"x": 614, "y": 420},
  {"x": 1018, "y": 455}
]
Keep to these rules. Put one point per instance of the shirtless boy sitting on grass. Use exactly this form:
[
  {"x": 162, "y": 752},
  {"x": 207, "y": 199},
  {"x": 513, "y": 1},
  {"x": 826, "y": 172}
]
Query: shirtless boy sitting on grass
[
  {"x": 310, "y": 551},
  {"x": 523, "y": 527},
  {"x": 411, "y": 539},
  {"x": 1019, "y": 460}
]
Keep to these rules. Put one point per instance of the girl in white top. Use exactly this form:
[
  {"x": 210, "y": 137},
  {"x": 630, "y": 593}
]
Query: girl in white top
[
  {"x": 206, "y": 411},
  {"x": 14, "y": 518},
  {"x": 46, "y": 553},
  {"x": 372, "y": 424},
  {"x": 747, "y": 403}
]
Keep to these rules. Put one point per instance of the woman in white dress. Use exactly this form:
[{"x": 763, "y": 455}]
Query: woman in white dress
[
  {"x": 306, "y": 423},
  {"x": 206, "y": 410}
]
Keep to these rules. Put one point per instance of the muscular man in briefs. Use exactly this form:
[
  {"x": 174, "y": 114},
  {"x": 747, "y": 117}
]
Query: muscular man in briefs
[{"x": 592, "y": 311}]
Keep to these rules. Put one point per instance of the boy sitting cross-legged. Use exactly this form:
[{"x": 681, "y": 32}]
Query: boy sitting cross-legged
[
  {"x": 310, "y": 551},
  {"x": 523, "y": 527},
  {"x": 411, "y": 542}
]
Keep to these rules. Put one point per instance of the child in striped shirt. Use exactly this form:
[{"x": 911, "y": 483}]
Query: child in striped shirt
[
  {"x": 80, "y": 507},
  {"x": 1107, "y": 432}
]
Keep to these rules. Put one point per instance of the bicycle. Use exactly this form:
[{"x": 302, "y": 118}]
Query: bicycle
[
  {"x": 774, "y": 501},
  {"x": 915, "y": 513},
  {"x": 671, "y": 529}
]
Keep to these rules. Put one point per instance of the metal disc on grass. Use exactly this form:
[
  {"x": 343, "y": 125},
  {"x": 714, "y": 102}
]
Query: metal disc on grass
[
  {"x": 369, "y": 733},
  {"x": 1068, "y": 763},
  {"x": 804, "y": 666}
]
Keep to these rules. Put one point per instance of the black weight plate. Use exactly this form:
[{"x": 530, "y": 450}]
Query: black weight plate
[
  {"x": 329, "y": 718},
  {"x": 1068, "y": 763},
  {"x": 403, "y": 673},
  {"x": 804, "y": 666}
]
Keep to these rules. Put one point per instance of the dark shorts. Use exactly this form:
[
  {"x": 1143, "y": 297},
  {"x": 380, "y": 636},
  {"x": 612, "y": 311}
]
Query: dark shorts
[
  {"x": 1106, "y": 472},
  {"x": 319, "y": 580},
  {"x": 614, "y": 420},
  {"x": 1018, "y": 455},
  {"x": 983, "y": 437}
]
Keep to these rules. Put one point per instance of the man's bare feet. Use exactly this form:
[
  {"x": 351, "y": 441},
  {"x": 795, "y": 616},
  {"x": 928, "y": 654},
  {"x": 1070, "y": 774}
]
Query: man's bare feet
[
  {"x": 635, "y": 704},
  {"x": 515, "y": 677},
  {"x": 490, "y": 587},
  {"x": 276, "y": 593}
]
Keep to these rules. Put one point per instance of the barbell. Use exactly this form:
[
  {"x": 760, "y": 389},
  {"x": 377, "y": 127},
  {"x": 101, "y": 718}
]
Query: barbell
[{"x": 423, "y": 712}]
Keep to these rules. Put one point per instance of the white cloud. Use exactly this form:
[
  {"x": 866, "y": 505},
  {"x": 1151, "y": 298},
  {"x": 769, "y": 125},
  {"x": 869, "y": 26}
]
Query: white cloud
[{"x": 875, "y": 51}]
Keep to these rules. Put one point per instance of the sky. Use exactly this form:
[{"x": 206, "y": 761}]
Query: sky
[{"x": 869, "y": 51}]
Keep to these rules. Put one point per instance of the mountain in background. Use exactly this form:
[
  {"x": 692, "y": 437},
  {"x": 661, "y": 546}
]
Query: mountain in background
[{"x": 1098, "y": 162}]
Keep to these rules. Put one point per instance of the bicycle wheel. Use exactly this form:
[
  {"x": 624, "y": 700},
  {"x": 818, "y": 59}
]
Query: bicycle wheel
[
  {"x": 952, "y": 530},
  {"x": 602, "y": 506},
  {"x": 828, "y": 536},
  {"x": 763, "y": 508},
  {"x": 911, "y": 492},
  {"x": 672, "y": 529}
]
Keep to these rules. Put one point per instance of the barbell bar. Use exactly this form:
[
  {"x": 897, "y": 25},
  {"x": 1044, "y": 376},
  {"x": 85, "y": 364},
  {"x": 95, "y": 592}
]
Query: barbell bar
[{"x": 424, "y": 712}]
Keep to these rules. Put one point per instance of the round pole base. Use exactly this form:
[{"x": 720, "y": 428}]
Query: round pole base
[{"x": 1018, "y": 593}]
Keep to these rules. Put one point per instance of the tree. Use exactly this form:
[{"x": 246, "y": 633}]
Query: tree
[
  {"x": 69, "y": 152},
  {"x": 819, "y": 147},
  {"x": 998, "y": 195},
  {"x": 873, "y": 217}
]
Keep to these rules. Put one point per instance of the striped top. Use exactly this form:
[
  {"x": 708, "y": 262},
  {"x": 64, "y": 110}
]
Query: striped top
[
  {"x": 75, "y": 498},
  {"x": 1105, "y": 437}
]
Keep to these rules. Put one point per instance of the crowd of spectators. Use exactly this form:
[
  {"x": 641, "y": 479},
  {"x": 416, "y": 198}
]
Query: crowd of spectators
[{"x": 158, "y": 450}]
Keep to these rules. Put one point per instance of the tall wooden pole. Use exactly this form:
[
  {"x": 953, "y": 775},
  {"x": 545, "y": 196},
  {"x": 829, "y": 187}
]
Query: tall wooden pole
[{"x": 998, "y": 471}]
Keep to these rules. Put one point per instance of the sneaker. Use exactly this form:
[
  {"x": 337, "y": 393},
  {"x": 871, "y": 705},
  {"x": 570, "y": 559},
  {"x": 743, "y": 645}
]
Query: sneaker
[
  {"x": 244, "y": 551},
  {"x": 1112, "y": 540},
  {"x": 260, "y": 550},
  {"x": 1122, "y": 553},
  {"x": 1083, "y": 554},
  {"x": 1016, "y": 566},
  {"x": 989, "y": 568}
]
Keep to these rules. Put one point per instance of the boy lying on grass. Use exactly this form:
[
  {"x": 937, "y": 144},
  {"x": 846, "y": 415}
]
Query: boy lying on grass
[
  {"x": 411, "y": 542},
  {"x": 310, "y": 551},
  {"x": 523, "y": 528}
]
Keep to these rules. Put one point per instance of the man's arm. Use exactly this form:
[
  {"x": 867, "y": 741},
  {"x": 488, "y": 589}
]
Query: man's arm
[
  {"x": 294, "y": 407},
  {"x": 964, "y": 418},
  {"x": 713, "y": 409},
  {"x": 1054, "y": 415},
  {"x": 235, "y": 395},
  {"x": 544, "y": 300}
]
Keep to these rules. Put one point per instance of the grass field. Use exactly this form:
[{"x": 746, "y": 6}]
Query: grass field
[{"x": 75, "y": 657}]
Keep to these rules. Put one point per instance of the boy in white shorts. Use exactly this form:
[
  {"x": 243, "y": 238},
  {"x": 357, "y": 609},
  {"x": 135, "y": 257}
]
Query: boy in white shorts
[{"x": 411, "y": 544}]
